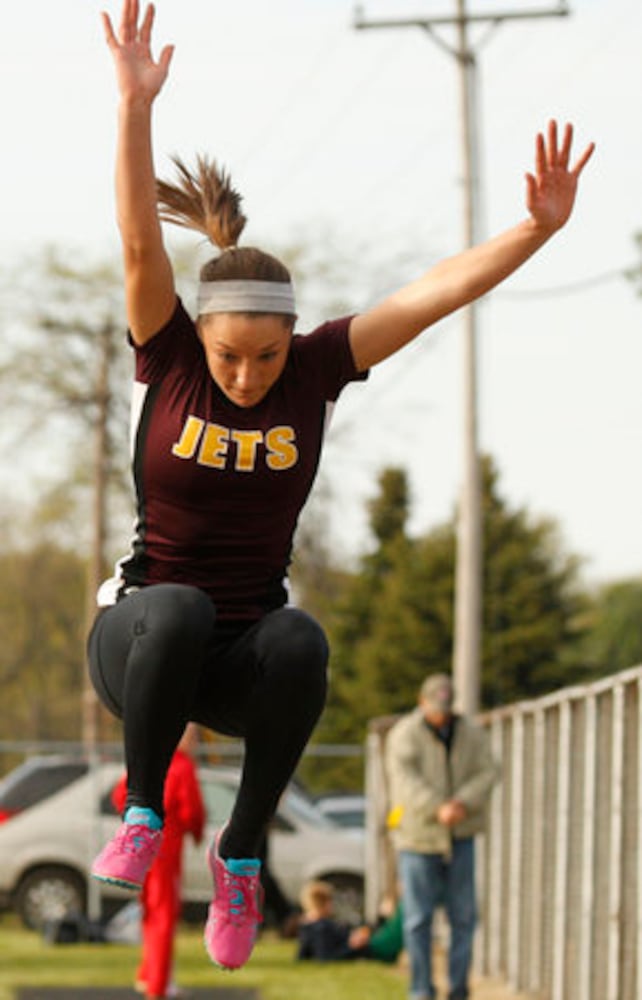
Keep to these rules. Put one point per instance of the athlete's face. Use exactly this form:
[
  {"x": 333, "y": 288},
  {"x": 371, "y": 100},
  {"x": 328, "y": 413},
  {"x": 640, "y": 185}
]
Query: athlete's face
[{"x": 245, "y": 354}]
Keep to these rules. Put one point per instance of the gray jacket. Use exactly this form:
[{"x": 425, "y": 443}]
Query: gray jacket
[{"x": 422, "y": 775}]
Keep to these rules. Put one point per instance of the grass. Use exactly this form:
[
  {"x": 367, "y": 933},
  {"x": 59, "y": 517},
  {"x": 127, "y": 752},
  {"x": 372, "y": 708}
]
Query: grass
[{"x": 28, "y": 961}]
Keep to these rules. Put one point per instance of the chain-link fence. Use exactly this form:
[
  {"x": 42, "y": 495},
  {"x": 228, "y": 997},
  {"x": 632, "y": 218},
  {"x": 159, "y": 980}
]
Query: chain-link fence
[{"x": 560, "y": 867}]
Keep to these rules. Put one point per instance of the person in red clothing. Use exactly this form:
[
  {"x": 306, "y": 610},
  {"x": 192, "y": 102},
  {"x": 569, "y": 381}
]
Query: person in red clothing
[{"x": 160, "y": 897}]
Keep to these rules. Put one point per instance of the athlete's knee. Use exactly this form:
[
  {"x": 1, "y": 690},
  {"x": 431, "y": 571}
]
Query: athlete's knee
[
  {"x": 295, "y": 637},
  {"x": 294, "y": 658}
]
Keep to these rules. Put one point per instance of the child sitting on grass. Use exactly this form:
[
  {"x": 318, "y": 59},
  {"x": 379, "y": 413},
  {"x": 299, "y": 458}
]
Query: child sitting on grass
[
  {"x": 326, "y": 939},
  {"x": 321, "y": 936}
]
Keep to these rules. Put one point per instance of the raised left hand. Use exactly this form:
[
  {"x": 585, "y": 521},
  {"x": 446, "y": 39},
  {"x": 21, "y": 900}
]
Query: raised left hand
[{"x": 550, "y": 191}]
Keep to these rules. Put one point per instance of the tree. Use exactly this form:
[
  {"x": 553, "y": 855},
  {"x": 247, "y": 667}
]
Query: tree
[
  {"x": 394, "y": 622},
  {"x": 315, "y": 579},
  {"x": 613, "y": 640},
  {"x": 351, "y": 618},
  {"x": 66, "y": 375},
  {"x": 41, "y": 602},
  {"x": 72, "y": 366},
  {"x": 534, "y": 607}
]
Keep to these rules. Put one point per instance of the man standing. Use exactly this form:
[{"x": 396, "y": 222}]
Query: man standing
[{"x": 440, "y": 774}]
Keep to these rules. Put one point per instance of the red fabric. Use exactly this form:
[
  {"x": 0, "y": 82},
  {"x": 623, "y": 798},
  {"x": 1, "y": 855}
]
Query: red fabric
[{"x": 160, "y": 898}]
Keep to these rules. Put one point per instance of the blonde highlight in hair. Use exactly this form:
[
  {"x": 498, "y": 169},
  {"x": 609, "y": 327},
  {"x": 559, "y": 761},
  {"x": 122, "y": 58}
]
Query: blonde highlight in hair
[{"x": 204, "y": 200}]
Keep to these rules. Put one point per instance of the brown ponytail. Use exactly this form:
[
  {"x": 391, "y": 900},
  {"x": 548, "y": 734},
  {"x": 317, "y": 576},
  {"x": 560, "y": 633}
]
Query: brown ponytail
[{"x": 204, "y": 200}]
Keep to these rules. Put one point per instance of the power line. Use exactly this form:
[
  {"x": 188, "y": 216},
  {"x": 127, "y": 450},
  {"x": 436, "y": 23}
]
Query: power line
[
  {"x": 297, "y": 94},
  {"x": 573, "y": 287},
  {"x": 346, "y": 106}
]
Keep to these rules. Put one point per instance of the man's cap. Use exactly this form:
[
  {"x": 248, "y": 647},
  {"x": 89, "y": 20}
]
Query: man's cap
[{"x": 437, "y": 690}]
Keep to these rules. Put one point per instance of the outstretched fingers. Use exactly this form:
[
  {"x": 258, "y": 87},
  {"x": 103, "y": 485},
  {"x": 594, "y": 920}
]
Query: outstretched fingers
[
  {"x": 128, "y": 30},
  {"x": 552, "y": 152},
  {"x": 146, "y": 26},
  {"x": 165, "y": 58},
  {"x": 130, "y": 34},
  {"x": 129, "y": 21},
  {"x": 581, "y": 162},
  {"x": 565, "y": 150},
  {"x": 551, "y": 155},
  {"x": 551, "y": 187},
  {"x": 540, "y": 154},
  {"x": 108, "y": 28},
  {"x": 531, "y": 187}
]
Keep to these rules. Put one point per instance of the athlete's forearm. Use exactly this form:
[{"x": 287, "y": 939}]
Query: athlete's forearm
[
  {"x": 136, "y": 207},
  {"x": 448, "y": 286}
]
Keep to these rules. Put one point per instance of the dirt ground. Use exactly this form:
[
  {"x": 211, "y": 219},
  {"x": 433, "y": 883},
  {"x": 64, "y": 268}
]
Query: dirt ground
[
  {"x": 493, "y": 989},
  {"x": 481, "y": 988}
]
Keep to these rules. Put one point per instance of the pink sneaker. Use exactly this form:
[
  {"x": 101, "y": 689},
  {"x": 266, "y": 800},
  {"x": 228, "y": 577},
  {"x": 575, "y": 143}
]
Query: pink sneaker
[
  {"x": 233, "y": 916},
  {"x": 125, "y": 860}
]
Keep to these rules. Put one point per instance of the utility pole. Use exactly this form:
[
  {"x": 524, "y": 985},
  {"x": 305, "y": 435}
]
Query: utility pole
[
  {"x": 468, "y": 571},
  {"x": 95, "y": 573}
]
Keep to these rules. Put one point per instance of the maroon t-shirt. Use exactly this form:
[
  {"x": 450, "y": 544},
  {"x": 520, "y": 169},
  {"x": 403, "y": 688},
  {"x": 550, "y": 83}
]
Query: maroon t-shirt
[{"x": 220, "y": 487}]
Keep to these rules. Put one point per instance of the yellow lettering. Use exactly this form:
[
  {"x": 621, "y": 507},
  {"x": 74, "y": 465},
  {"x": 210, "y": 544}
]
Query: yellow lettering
[
  {"x": 186, "y": 447},
  {"x": 214, "y": 447},
  {"x": 282, "y": 451},
  {"x": 214, "y": 440},
  {"x": 246, "y": 445}
]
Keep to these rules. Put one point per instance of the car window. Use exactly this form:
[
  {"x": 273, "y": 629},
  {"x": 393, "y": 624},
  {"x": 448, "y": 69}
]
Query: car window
[
  {"x": 347, "y": 817},
  {"x": 306, "y": 810},
  {"x": 34, "y": 782},
  {"x": 281, "y": 824},
  {"x": 218, "y": 797}
]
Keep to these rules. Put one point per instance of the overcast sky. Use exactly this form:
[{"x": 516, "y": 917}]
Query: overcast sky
[{"x": 351, "y": 139}]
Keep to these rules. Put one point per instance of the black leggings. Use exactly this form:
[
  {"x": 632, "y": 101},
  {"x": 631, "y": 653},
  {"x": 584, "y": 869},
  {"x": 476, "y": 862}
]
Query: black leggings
[{"x": 158, "y": 661}]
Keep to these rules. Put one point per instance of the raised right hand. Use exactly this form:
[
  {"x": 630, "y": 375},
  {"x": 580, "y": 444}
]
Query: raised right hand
[{"x": 138, "y": 76}]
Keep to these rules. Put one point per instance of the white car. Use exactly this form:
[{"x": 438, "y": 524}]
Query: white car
[
  {"x": 347, "y": 810},
  {"x": 47, "y": 849}
]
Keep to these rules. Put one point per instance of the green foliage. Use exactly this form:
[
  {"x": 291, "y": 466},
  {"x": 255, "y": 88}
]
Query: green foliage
[
  {"x": 389, "y": 510},
  {"x": 393, "y": 622},
  {"x": 614, "y": 637},
  {"x": 316, "y": 581},
  {"x": 532, "y": 604},
  {"x": 41, "y": 645}
]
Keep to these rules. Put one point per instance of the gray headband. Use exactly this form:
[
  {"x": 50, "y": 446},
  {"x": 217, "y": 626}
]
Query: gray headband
[{"x": 246, "y": 296}]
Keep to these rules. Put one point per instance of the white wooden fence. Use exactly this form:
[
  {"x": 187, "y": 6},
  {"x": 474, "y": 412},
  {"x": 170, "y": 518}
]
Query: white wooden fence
[{"x": 560, "y": 867}]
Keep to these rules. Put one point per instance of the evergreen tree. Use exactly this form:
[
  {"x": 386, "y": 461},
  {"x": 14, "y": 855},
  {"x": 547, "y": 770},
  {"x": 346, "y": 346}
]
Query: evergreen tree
[
  {"x": 394, "y": 622},
  {"x": 533, "y": 607},
  {"x": 350, "y": 621}
]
